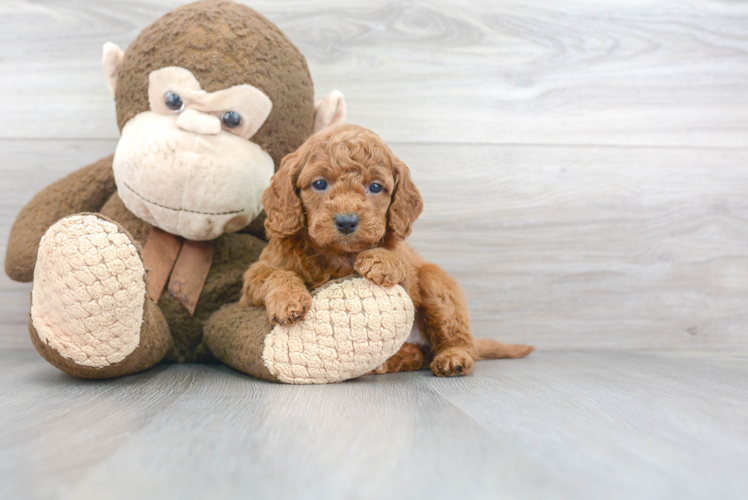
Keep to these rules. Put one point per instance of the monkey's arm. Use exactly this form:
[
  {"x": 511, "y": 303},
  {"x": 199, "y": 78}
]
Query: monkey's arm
[{"x": 85, "y": 190}]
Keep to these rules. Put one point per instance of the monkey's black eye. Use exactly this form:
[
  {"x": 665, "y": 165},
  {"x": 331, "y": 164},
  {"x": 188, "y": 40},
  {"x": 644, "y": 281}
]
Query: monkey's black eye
[
  {"x": 320, "y": 185},
  {"x": 375, "y": 188},
  {"x": 173, "y": 101},
  {"x": 231, "y": 119}
]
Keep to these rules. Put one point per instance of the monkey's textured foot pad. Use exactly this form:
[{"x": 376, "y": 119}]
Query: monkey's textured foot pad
[
  {"x": 352, "y": 327},
  {"x": 89, "y": 291}
]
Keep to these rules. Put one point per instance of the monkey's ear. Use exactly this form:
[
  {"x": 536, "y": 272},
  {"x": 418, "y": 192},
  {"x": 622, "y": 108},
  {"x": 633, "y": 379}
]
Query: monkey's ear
[
  {"x": 285, "y": 215},
  {"x": 329, "y": 111},
  {"x": 111, "y": 60}
]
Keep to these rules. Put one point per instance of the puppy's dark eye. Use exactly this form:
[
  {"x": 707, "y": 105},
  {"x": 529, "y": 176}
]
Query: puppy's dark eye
[
  {"x": 231, "y": 119},
  {"x": 375, "y": 188},
  {"x": 320, "y": 185},
  {"x": 173, "y": 101}
]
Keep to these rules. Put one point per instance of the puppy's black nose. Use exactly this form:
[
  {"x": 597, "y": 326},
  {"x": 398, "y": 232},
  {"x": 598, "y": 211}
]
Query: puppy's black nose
[{"x": 346, "y": 223}]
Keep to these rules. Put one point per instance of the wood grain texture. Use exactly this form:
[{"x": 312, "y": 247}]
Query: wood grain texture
[
  {"x": 561, "y": 247},
  {"x": 583, "y": 166},
  {"x": 555, "y": 425},
  {"x": 574, "y": 72}
]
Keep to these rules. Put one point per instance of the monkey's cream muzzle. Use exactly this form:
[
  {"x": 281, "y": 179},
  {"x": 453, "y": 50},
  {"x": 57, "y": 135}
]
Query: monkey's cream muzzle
[{"x": 182, "y": 170}]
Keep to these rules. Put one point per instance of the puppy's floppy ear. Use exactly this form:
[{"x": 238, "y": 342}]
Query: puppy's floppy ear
[
  {"x": 285, "y": 215},
  {"x": 406, "y": 204}
]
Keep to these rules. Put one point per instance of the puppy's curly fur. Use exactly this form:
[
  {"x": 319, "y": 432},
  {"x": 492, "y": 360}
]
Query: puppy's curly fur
[{"x": 349, "y": 171}]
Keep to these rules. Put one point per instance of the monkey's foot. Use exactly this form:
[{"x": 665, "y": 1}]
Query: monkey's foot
[
  {"x": 90, "y": 314},
  {"x": 352, "y": 327}
]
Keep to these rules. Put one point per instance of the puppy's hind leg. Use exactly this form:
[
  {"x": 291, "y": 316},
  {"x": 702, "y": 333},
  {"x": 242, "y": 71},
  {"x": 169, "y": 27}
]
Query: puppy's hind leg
[
  {"x": 445, "y": 322},
  {"x": 408, "y": 358}
]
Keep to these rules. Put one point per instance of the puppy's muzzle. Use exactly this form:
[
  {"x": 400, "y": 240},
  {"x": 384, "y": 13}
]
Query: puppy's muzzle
[{"x": 346, "y": 223}]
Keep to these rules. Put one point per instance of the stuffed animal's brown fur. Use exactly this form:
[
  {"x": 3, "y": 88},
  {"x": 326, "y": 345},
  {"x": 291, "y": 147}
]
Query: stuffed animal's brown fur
[
  {"x": 367, "y": 185},
  {"x": 207, "y": 39}
]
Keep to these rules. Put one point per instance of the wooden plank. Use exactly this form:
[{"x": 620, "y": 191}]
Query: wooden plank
[
  {"x": 576, "y": 72},
  {"x": 591, "y": 247},
  {"x": 616, "y": 425},
  {"x": 562, "y": 247},
  {"x": 620, "y": 425}
]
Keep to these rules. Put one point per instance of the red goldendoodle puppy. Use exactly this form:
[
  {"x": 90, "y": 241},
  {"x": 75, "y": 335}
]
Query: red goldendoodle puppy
[{"x": 341, "y": 204}]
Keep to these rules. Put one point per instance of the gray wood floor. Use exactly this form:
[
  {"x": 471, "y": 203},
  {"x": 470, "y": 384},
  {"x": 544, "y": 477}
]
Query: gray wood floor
[
  {"x": 596, "y": 424},
  {"x": 584, "y": 167}
]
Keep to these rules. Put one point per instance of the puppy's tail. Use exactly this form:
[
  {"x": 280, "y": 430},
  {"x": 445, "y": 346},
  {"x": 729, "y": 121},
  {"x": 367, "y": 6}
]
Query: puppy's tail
[{"x": 492, "y": 349}]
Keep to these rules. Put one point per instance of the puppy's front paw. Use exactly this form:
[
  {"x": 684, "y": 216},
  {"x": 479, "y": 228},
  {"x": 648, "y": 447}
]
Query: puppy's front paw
[
  {"x": 287, "y": 306},
  {"x": 382, "y": 267},
  {"x": 451, "y": 362}
]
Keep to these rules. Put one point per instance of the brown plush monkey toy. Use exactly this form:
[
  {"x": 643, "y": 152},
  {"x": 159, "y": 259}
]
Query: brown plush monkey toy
[{"x": 133, "y": 257}]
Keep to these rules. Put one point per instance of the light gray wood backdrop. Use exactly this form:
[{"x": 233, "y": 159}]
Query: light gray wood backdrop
[{"x": 584, "y": 164}]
